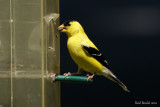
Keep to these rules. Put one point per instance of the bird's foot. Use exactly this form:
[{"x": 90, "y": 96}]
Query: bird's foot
[
  {"x": 67, "y": 74},
  {"x": 90, "y": 76}
]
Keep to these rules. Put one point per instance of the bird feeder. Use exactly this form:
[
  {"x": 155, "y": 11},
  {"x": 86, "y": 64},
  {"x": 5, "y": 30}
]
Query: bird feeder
[{"x": 29, "y": 49}]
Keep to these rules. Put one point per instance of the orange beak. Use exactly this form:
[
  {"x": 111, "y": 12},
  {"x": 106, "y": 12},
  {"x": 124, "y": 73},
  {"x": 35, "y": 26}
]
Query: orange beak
[{"x": 61, "y": 28}]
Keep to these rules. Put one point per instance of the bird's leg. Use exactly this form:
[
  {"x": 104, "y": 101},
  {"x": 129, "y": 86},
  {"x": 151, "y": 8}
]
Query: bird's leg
[
  {"x": 69, "y": 74},
  {"x": 90, "y": 76}
]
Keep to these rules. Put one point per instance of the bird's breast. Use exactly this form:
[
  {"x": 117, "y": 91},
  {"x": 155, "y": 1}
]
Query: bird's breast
[{"x": 75, "y": 48}]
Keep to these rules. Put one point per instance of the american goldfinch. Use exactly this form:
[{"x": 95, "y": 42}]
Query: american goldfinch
[{"x": 85, "y": 54}]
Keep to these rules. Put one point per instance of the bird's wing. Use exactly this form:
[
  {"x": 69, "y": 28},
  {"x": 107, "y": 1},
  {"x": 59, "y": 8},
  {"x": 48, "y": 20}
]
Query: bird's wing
[{"x": 97, "y": 55}]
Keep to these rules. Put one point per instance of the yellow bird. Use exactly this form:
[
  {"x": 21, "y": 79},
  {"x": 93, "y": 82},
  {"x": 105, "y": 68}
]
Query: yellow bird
[{"x": 85, "y": 54}]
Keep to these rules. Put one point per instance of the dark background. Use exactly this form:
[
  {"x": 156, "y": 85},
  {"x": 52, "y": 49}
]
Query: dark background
[{"x": 127, "y": 32}]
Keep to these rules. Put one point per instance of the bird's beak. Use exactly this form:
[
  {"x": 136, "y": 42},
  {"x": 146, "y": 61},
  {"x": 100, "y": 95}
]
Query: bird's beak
[{"x": 61, "y": 28}]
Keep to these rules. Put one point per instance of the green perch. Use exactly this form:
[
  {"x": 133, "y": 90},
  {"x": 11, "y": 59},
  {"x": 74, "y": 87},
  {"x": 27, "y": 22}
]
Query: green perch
[{"x": 73, "y": 79}]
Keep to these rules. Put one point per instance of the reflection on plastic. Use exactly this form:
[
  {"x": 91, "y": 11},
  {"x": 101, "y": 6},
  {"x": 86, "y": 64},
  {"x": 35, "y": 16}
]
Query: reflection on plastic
[
  {"x": 53, "y": 16},
  {"x": 52, "y": 42}
]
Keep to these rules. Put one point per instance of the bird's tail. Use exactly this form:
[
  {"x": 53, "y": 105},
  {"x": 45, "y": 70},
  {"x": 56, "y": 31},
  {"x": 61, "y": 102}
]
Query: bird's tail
[{"x": 111, "y": 76}]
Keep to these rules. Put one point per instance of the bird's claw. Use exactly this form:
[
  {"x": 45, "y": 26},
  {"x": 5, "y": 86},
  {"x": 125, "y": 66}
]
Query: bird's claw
[
  {"x": 87, "y": 75},
  {"x": 66, "y": 74},
  {"x": 90, "y": 77}
]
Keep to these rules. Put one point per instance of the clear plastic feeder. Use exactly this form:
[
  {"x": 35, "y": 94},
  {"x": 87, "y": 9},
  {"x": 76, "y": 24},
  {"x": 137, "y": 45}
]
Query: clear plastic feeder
[{"x": 29, "y": 50}]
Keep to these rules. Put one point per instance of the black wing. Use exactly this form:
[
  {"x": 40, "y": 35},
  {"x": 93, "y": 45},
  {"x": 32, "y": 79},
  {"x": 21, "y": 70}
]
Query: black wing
[{"x": 97, "y": 55}]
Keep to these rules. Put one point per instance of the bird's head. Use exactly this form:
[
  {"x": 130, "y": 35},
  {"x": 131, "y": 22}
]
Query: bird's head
[{"x": 71, "y": 28}]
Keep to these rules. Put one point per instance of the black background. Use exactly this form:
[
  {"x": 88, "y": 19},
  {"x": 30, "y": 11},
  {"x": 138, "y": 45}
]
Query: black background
[{"x": 127, "y": 32}]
